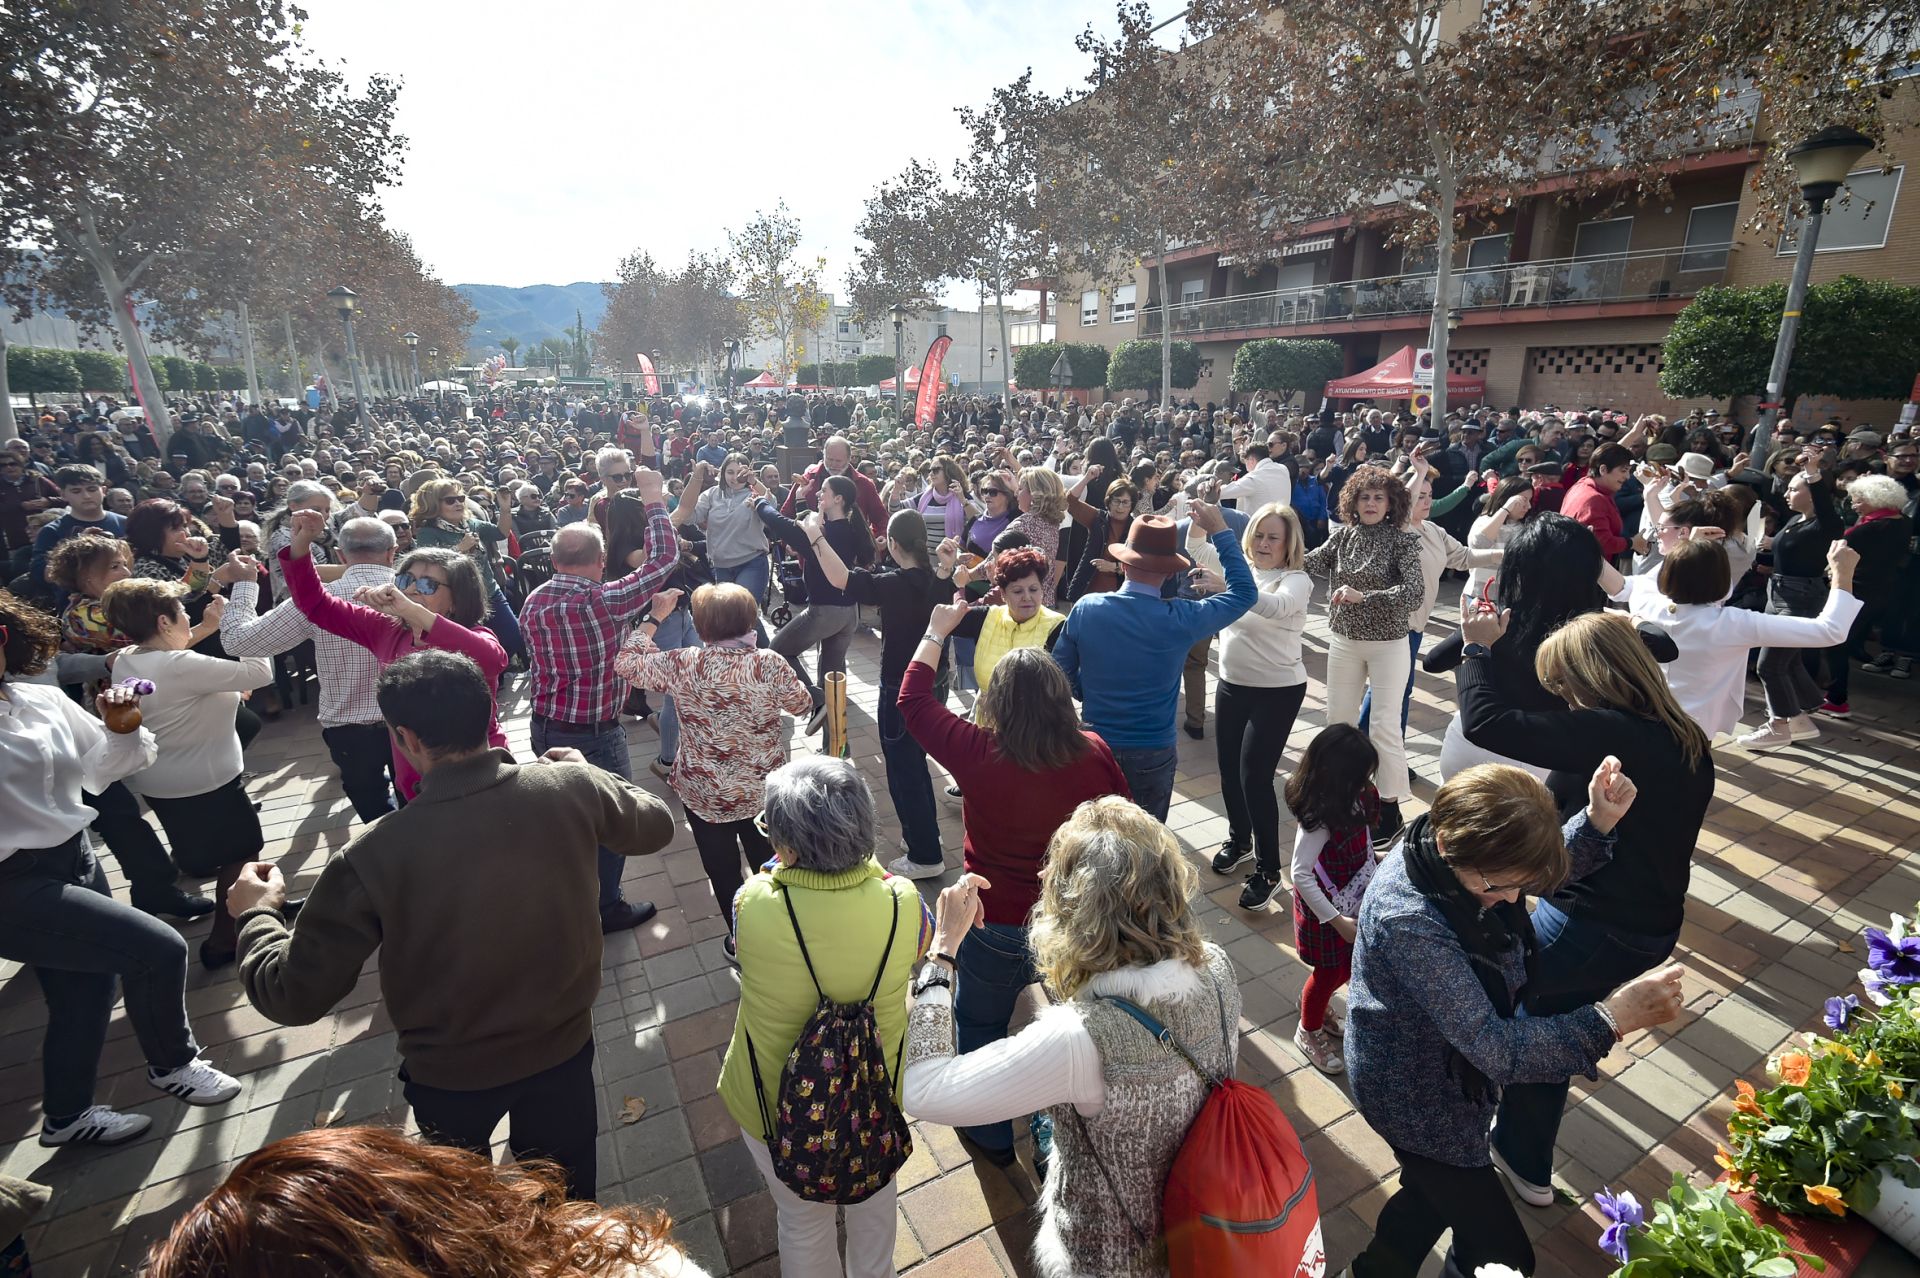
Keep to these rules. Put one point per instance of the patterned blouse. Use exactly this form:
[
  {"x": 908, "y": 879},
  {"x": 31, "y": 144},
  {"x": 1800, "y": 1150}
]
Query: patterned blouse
[
  {"x": 730, "y": 702},
  {"x": 1045, "y": 537}
]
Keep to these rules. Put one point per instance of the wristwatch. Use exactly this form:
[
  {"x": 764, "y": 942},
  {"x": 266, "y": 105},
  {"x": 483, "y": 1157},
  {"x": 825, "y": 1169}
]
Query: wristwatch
[
  {"x": 932, "y": 974},
  {"x": 1476, "y": 650}
]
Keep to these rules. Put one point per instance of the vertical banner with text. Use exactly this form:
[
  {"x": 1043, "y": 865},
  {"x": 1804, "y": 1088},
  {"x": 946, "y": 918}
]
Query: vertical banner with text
[
  {"x": 648, "y": 377},
  {"x": 928, "y": 400}
]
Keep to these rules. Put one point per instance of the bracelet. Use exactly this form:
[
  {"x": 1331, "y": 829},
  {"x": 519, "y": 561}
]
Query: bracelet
[
  {"x": 931, "y": 637},
  {"x": 1612, "y": 1024}
]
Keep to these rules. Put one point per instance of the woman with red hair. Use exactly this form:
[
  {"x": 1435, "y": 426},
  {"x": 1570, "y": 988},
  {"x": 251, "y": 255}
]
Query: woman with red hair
[{"x": 369, "y": 1200}]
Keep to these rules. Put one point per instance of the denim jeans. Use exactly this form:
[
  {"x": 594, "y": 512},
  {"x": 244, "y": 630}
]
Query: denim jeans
[
  {"x": 606, "y": 749},
  {"x": 992, "y": 967},
  {"x": 907, "y": 780},
  {"x": 754, "y": 574},
  {"x": 1406, "y": 698},
  {"x": 1149, "y": 775},
  {"x": 1579, "y": 963},
  {"x": 505, "y": 625},
  {"x": 675, "y": 632},
  {"x": 57, "y": 917}
]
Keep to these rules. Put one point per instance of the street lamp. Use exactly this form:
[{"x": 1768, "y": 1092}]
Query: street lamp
[
  {"x": 433, "y": 362},
  {"x": 1821, "y": 164},
  {"x": 733, "y": 359},
  {"x": 345, "y": 300},
  {"x": 1453, "y": 320},
  {"x": 981, "y": 275},
  {"x": 993, "y": 357},
  {"x": 413, "y": 357},
  {"x": 899, "y": 314}
]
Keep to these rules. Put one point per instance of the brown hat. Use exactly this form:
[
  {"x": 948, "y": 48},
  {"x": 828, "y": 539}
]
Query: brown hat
[{"x": 1153, "y": 545}]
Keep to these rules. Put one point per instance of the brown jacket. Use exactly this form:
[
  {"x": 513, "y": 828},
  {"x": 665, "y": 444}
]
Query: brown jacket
[{"x": 482, "y": 896}]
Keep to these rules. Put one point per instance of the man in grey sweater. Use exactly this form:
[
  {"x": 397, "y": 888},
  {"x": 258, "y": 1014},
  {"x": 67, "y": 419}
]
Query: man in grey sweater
[{"x": 481, "y": 896}]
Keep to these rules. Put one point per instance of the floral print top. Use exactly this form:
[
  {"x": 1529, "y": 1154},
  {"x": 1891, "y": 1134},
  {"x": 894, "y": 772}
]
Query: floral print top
[{"x": 730, "y": 702}]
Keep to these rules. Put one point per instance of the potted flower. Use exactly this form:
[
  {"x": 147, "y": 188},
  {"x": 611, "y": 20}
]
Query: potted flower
[
  {"x": 1694, "y": 1233},
  {"x": 1885, "y": 1042}
]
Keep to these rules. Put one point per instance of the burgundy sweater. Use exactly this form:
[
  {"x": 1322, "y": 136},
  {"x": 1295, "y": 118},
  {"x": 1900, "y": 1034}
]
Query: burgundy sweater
[{"x": 1008, "y": 813}]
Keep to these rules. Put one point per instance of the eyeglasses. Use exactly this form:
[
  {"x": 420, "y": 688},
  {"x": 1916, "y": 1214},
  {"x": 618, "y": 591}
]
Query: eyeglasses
[
  {"x": 427, "y": 585},
  {"x": 455, "y": 500},
  {"x": 1492, "y": 889},
  {"x": 622, "y": 475}
]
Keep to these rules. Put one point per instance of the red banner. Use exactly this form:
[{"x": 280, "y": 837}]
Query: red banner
[
  {"x": 929, "y": 398},
  {"x": 649, "y": 378}
]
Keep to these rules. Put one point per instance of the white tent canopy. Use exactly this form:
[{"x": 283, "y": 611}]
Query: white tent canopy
[{"x": 443, "y": 386}]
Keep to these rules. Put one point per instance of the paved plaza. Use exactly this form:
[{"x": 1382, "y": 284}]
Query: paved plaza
[{"x": 1802, "y": 849}]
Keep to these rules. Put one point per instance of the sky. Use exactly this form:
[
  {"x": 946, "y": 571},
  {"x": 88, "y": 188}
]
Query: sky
[{"x": 548, "y": 140}]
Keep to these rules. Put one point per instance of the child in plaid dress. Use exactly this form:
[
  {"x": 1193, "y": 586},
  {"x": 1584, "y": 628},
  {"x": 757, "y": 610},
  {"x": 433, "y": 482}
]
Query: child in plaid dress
[{"x": 1335, "y": 807}]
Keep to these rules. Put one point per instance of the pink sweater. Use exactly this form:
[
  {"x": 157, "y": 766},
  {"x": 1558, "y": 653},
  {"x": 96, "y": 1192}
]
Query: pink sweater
[{"x": 389, "y": 641}]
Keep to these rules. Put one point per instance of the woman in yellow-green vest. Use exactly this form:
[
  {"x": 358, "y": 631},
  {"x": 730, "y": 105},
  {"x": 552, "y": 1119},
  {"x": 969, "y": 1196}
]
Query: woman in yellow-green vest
[
  {"x": 1019, "y": 620},
  {"x": 827, "y": 913}
]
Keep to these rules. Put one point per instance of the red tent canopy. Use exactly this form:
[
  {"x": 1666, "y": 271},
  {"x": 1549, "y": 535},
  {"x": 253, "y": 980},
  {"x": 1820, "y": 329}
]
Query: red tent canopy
[
  {"x": 913, "y": 378},
  {"x": 1392, "y": 378},
  {"x": 762, "y": 382}
]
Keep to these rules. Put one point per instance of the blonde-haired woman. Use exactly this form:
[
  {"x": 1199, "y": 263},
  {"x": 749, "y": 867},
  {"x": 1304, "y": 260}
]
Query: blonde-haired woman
[
  {"x": 1623, "y": 918},
  {"x": 1112, "y": 921},
  {"x": 1262, "y": 685},
  {"x": 440, "y": 519},
  {"x": 1043, "y": 507}
]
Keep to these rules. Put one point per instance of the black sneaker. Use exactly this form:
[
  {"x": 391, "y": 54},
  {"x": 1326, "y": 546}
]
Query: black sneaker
[
  {"x": 1229, "y": 856},
  {"x": 1389, "y": 827},
  {"x": 622, "y": 915},
  {"x": 1259, "y": 890},
  {"x": 175, "y": 903}
]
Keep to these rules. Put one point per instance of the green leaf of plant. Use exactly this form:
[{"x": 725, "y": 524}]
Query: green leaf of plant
[
  {"x": 1777, "y": 1267},
  {"x": 1779, "y": 1134}
]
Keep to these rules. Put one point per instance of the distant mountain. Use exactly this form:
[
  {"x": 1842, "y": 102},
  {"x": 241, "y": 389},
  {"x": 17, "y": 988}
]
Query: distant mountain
[{"x": 531, "y": 314}]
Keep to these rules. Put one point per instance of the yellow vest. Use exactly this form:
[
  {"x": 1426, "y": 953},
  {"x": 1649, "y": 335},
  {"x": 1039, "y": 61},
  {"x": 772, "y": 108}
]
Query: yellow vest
[{"x": 1001, "y": 634}]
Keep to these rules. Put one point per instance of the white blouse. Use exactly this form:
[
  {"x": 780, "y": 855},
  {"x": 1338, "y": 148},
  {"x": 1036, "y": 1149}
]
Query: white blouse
[
  {"x": 1261, "y": 648},
  {"x": 192, "y": 709},
  {"x": 1709, "y": 677},
  {"x": 51, "y": 750}
]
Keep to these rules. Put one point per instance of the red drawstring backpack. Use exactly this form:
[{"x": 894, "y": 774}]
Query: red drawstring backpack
[{"x": 1239, "y": 1201}]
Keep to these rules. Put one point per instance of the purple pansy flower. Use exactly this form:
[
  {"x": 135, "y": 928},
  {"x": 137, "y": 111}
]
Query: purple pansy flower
[
  {"x": 1839, "y": 1009},
  {"x": 1624, "y": 1210},
  {"x": 1898, "y": 962}
]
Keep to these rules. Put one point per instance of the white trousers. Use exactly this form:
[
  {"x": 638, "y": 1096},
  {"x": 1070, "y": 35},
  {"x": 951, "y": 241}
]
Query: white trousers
[
  {"x": 1352, "y": 664},
  {"x": 1457, "y": 754},
  {"x": 809, "y": 1234}
]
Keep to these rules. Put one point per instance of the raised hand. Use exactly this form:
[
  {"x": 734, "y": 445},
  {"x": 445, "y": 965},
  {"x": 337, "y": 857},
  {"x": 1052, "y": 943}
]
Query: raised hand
[
  {"x": 946, "y": 618},
  {"x": 663, "y": 603}
]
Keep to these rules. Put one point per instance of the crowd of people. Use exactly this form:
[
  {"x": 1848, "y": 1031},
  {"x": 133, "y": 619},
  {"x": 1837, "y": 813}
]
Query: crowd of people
[{"x": 1049, "y": 583}]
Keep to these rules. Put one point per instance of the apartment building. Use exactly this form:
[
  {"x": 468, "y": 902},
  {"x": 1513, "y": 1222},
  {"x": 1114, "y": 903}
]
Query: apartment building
[{"x": 1558, "y": 303}]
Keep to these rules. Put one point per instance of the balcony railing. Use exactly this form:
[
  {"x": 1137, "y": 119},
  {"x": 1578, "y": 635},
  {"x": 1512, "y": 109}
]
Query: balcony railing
[{"x": 1653, "y": 275}]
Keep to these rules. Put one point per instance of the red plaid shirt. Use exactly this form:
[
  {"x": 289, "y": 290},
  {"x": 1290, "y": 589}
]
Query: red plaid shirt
[{"x": 573, "y": 627}]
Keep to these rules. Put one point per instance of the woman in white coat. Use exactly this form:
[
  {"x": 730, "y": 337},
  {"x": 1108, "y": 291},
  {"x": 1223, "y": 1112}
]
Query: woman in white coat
[{"x": 1684, "y": 598}]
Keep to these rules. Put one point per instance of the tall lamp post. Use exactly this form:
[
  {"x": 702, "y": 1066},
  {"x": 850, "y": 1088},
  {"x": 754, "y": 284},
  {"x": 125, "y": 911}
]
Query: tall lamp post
[
  {"x": 433, "y": 364},
  {"x": 733, "y": 360},
  {"x": 899, "y": 314},
  {"x": 1820, "y": 166},
  {"x": 344, "y": 301},
  {"x": 981, "y": 275},
  {"x": 413, "y": 357},
  {"x": 993, "y": 358}
]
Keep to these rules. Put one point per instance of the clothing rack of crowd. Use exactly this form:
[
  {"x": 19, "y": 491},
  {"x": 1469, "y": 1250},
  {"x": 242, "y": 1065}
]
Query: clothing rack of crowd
[{"x": 1050, "y": 581}]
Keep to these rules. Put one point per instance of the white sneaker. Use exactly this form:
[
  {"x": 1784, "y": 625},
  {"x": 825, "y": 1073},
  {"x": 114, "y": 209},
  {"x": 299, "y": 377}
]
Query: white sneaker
[
  {"x": 1531, "y": 1194},
  {"x": 1803, "y": 728},
  {"x": 97, "y": 1126},
  {"x": 1321, "y": 1048},
  {"x": 1771, "y": 737},
  {"x": 196, "y": 1083},
  {"x": 908, "y": 868}
]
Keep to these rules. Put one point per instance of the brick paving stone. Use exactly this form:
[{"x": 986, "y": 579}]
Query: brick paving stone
[{"x": 729, "y": 1172}]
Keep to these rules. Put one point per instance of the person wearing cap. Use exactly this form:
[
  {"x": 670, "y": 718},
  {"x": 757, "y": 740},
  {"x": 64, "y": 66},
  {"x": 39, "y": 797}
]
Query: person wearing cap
[
  {"x": 1124, "y": 651},
  {"x": 1863, "y": 445}
]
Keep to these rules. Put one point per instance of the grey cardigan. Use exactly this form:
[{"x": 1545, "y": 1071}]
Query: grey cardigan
[{"x": 1414, "y": 992}]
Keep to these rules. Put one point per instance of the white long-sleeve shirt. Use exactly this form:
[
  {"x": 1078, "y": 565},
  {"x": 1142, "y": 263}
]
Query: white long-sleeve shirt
[
  {"x": 191, "y": 712},
  {"x": 1307, "y": 846},
  {"x": 1261, "y": 649},
  {"x": 1439, "y": 550},
  {"x": 1709, "y": 677},
  {"x": 51, "y": 750},
  {"x": 1266, "y": 482}
]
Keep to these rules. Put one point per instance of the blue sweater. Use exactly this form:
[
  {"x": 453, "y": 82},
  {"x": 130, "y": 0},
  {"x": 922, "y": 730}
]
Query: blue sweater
[{"x": 1123, "y": 651}]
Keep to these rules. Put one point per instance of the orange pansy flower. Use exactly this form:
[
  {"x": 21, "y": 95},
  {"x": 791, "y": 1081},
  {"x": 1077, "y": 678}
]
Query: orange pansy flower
[
  {"x": 1794, "y": 1068},
  {"x": 1826, "y": 1196},
  {"x": 1744, "y": 1103}
]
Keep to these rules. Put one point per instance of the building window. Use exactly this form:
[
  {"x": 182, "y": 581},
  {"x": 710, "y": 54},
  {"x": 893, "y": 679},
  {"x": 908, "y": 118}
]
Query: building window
[
  {"x": 1123, "y": 303},
  {"x": 1487, "y": 250},
  {"x": 942, "y": 330},
  {"x": 1860, "y": 216},
  {"x": 1608, "y": 237},
  {"x": 1709, "y": 234},
  {"x": 1192, "y": 291},
  {"x": 846, "y": 328},
  {"x": 1090, "y": 308}
]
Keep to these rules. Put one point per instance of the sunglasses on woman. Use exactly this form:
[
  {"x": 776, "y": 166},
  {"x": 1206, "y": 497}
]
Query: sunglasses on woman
[
  {"x": 407, "y": 581},
  {"x": 455, "y": 500}
]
